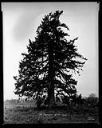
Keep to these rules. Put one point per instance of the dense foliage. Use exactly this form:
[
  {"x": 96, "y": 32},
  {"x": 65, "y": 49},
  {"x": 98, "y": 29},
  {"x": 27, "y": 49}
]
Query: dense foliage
[{"x": 47, "y": 66}]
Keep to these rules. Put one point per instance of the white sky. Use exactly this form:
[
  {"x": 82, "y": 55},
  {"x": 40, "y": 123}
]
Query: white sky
[{"x": 20, "y": 21}]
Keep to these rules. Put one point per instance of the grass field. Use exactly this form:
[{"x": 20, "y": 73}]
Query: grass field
[{"x": 26, "y": 113}]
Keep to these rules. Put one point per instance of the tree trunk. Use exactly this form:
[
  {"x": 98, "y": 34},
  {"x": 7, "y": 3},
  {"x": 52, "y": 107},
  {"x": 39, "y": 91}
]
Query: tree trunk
[{"x": 51, "y": 98}]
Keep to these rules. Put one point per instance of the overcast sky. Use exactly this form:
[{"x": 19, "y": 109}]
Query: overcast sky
[{"x": 20, "y": 21}]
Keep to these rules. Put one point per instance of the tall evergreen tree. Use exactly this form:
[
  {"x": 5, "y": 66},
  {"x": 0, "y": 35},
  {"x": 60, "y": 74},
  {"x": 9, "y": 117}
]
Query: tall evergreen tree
[{"x": 48, "y": 64}]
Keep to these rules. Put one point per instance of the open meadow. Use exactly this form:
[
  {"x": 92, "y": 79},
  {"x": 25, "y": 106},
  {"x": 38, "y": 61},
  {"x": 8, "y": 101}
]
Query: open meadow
[{"x": 27, "y": 113}]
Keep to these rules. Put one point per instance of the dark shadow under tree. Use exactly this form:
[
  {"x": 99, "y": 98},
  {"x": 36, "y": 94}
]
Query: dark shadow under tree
[{"x": 47, "y": 66}]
